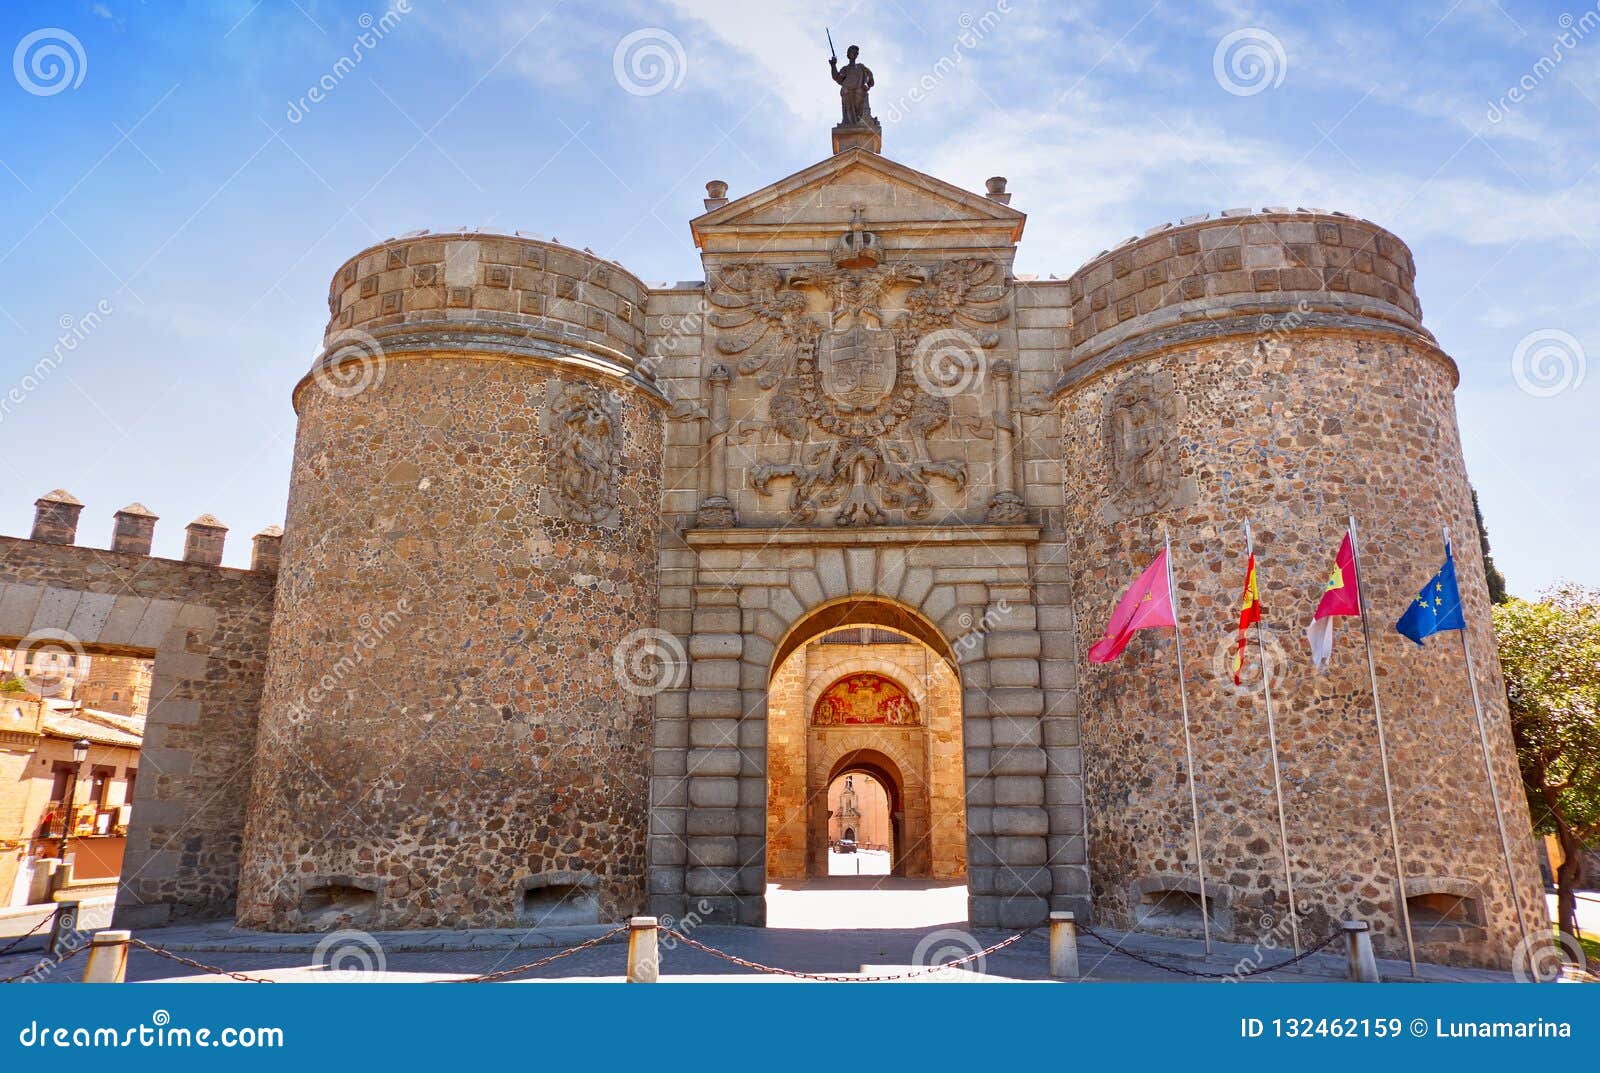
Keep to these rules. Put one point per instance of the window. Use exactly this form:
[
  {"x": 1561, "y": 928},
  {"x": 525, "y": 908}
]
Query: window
[
  {"x": 61, "y": 779},
  {"x": 127, "y": 788},
  {"x": 99, "y": 784}
]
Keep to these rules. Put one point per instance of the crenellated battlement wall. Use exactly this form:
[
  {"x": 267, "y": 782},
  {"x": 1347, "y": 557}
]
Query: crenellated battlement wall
[
  {"x": 490, "y": 293},
  {"x": 205, "y": 628},
  {"x": 1238, "y": 273}
]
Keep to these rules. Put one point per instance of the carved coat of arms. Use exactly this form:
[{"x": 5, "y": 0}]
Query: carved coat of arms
[
  {"x": 857, "y": 366},
  {"x": 1140, "y": 432},
  {"x": 584, "y": 436},
  {"x": 846, "y": 393}
]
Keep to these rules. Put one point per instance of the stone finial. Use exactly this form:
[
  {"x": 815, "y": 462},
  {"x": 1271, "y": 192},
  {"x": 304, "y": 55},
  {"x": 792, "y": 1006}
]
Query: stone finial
[
  {"x": 204, "y": 540},
  {"x": 996, "y": 187},
  {"x": 133, "y": 529},
  {"x": 716, "y": 194},
  {"x": 55, "y": 517},
  {"x": 266, "y": 548}
]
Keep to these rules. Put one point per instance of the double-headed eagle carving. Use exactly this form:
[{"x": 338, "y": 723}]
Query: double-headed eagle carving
[{"x": 856, "y": 389}]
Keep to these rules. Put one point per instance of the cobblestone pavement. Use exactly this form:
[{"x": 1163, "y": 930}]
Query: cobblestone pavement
[{"x": 804, "y": 950}]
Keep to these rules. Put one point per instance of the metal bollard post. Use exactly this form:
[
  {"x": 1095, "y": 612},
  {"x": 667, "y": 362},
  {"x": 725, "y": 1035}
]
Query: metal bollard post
[
  {"x": 64, "y": 929},
  {"x": 108, "y": 958},
  {"x": 644, "y": 959},
  {"x": 1063, "y": 946},
  {"x": 1363, "y": 966}
]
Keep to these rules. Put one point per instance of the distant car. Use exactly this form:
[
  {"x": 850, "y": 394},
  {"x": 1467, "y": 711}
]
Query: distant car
[{"x": 845, "y": 845}]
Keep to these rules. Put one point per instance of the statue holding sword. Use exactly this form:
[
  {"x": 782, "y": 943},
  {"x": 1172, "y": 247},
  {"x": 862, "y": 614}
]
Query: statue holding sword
[{"x": 855, "y": 80}]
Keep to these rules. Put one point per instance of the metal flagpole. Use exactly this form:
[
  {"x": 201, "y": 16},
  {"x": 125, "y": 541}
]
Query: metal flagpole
[
  {"x": 1188, "y": 745},
  {"x": 1272, "y": 740},
  {"x": 1383, "y": 749},
  {"x": 1488, "y": 767}
]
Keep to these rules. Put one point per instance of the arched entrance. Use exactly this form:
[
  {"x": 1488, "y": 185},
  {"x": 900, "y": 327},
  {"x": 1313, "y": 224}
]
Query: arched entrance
[
  {"x": 865, "y": 817},
  {"x": 866, "y": 688}
]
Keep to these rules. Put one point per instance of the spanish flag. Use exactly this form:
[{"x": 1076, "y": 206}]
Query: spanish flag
[
  {"x": 1341, "y": 597},
  {"x": 1249, "y": 615}
]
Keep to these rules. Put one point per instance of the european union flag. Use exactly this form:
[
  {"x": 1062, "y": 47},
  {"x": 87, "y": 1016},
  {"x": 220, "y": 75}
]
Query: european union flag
[{"x": 1437, "y": 607}]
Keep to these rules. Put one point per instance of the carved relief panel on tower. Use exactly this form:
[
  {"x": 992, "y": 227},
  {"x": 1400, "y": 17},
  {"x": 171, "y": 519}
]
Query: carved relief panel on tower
[
  {"x": 859, "y": 363},
  {"x": 1140, "y": 429},
  {"x": 583, "y": 438}
]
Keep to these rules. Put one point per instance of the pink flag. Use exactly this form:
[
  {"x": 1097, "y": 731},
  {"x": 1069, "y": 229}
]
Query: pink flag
[{"x": 1147, "y": 603}]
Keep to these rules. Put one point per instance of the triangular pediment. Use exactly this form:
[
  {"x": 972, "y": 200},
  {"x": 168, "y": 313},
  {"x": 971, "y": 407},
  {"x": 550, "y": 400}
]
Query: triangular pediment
[{"x": 825, "y": 196}]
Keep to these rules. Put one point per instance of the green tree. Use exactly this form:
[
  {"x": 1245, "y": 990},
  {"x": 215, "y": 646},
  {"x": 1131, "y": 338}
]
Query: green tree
[
  {"x": 1550, "y": 651},
  {"x": 1491, "y": 572}
]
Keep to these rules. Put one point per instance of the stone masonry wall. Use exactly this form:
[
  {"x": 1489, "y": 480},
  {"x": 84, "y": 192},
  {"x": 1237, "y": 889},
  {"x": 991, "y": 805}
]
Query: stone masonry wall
[
  {"x": 1295, "y": 421},
  {"x": 206, "y": 629},
  {"x": 450, "y": 736}
]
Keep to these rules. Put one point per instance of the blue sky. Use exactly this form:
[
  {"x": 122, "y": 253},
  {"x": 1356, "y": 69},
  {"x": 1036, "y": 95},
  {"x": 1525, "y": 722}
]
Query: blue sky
[{"x": 168, "y": 168}]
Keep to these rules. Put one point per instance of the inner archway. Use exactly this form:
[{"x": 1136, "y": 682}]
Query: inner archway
[
  {"x": 865, "y": 777},
  {"x": 861, "y": 822}
]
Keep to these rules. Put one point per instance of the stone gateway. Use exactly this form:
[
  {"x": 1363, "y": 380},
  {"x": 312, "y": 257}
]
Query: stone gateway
[{"x": 589, "y": 590}]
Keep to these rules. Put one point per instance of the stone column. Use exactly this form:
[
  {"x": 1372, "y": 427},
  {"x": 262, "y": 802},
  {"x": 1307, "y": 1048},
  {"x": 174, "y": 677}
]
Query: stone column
[
  {"x": 716, "y": 510},
  {"x": 1005, "y": 506}
]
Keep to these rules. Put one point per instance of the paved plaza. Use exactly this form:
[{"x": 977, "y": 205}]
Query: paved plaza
[{"x": 899, "y": 925}]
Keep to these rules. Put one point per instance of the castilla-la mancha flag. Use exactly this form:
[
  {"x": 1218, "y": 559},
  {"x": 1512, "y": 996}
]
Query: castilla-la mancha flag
[
  {"x": 1147, "y": 603},
  {"x": 1342, "y": 597}
]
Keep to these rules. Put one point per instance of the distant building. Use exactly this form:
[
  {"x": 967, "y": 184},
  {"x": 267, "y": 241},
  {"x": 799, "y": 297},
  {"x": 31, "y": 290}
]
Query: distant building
[{"x": 37, "y": 735}]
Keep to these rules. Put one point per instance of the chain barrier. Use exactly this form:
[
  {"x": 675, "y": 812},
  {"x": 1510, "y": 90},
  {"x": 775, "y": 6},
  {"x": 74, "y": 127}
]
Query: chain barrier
[
  {"x": 56, "y": 964},
  {"x": 193, "y": 964},
  {"x": 491, "y": 977},
  {"x": 1200, "y": 974},
  {"x": 833, "y": 978},
  {"x": 31, "y": 932}
]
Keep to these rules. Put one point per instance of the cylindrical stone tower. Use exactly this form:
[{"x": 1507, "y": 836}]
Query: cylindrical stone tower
[
  {"x": 471, "y": 537},
  {"x": 1273, "y": 367}
]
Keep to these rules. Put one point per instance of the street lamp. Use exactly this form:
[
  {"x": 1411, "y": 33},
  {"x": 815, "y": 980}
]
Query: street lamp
[{"x": 80, "y": 753}]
